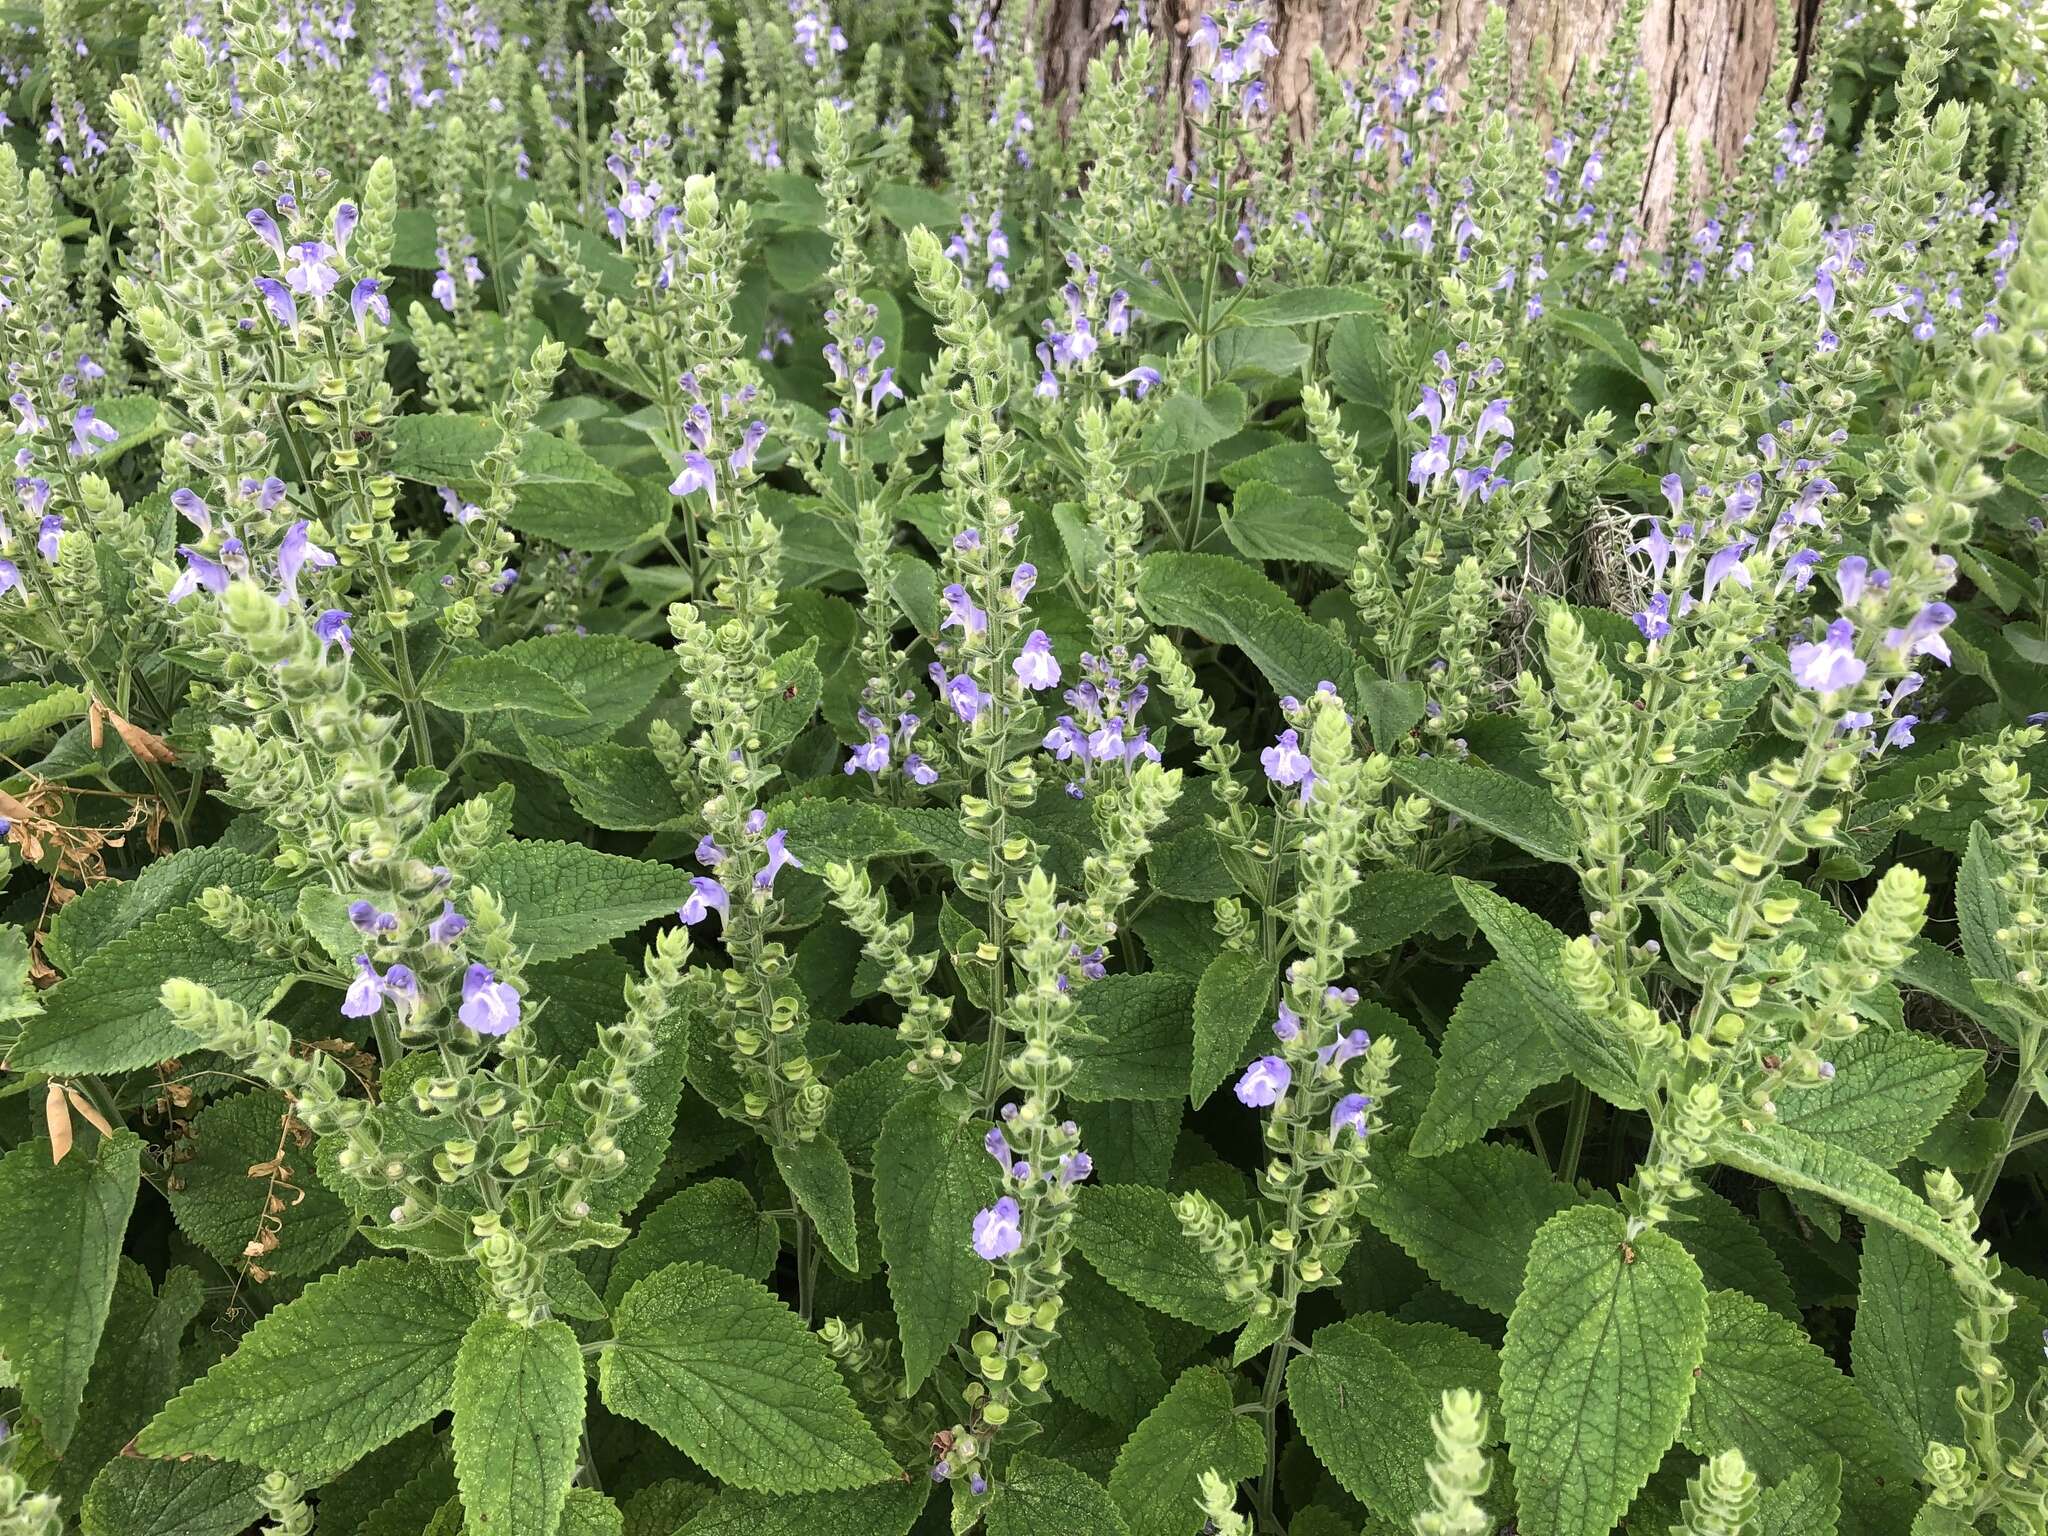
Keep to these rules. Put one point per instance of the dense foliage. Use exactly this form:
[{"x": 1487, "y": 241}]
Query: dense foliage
[{"x": 752, "y": 792}]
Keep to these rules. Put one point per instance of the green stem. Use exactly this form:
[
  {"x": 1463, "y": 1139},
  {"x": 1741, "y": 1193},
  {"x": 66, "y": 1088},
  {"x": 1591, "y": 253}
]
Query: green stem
[
  {"x": 1269, "y": 1409},
  {"x": 2017, "y": 1100},
  {"x": 1574, "y": 1134}
]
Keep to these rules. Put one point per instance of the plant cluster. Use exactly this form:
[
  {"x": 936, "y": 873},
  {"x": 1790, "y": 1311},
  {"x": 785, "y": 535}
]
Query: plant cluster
[{"x": 753, "y": 787}]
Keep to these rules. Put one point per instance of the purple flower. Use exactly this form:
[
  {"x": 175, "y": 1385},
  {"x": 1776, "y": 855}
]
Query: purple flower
[
  {"x": 706, "y": 895},
  {"x": 296, "y": 553},
  {"x": 49, "y": 537},
  {"x": 963, "y": 695},
  {"x": 443, "y": 289},
  {"x": 872, "y": 756},
  {"x": 10, "y": 576},
  {"x": 489, "y": 1006},
  {"x": 365, "y": 993},
  {"x": 34, "y": 493},
  {"x": 1022, "y": 580},
  {"x": 277, "y": 298},
  {"x": 998, "y": 1147},
  {"x": 1286, "y": 763},
  {"x": 1899, "y": 734},
  {"x": 1347, "y": 1046},
  {"x": 742, "y": 458},
  {"x": 919, "y": 770},
  {"x": 266, "y": 227},
  {"x": 448, "y": 927},
  {"x": 1144, "y": 378},
  {"x": 1035, "y": 668},
  {"x": 402, "y": 987},
  {"x": 367, "y": 301},
  {"x": 961, "y": 610},
  {"x": 1075, "y": 1167},
  {"x": 310, "y": 274},
  {"x": 332, "y": 628},
  {"x": 998, "y": 1231},
  {"x": 368, "y": 920},
  {"x": 779, "y": 859},
  {"x": 697, "y": 475},
  {"x": 1288, "y": 1025},
  {"x": 1726, "y": 565},
  {"x": 200, "y": 571},
  {"x": 86, "y": 430},
  {"x": 194, "y": 510},
  {"x": 1922, "y": 635},
  {"x": 1830, "y": 664},
  {"x": 1493, "y": 421},
  {"x": 1655, "y": 618},
  {"x": 1263, "y": 1082},
  {"x": 1350, "y": 1115}
]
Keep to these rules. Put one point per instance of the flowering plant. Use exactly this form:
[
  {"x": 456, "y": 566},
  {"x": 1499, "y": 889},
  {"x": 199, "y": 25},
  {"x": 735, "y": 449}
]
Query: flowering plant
[{"x": 752, "y": 785}]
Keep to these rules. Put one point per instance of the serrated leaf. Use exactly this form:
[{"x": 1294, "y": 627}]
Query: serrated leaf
[
  {"x": 1890, "y": 1089},
  {"x": 931, "y": 1175},
  {"x": 716, "y": 1365},
  {"x": 1269, "y": 522},
  {"x": 1767, "y": 1390},
  {"x": 64, "y": 1226},
  {"x": 101, "y": 913},
  {"x": 1194, "y": 1429},
  {"x": 1467, "y": 1216},
  {"x": 1103, "y": 1357},
  {"x": 357, "y": 1359},
  {"x": 221, "y": 1205},
  {"x": 1597, "y": 1368},
  {"x": 567, "y": 898},
  {"x": 37, "y": 708},
  {"x": 1390, "y": 906},
  {"x": 1232, "y": 999},
  {"x": 1040, "y": 1495},
  {"x": 1231, "y": 603},
  {"x": 1808, "y": 1502},
  {"x": 613, "y": 677},
  {"x": 1903, "y": 1349},
  {"x": 1527, "y": 815},
  {"x": 887, "y": 1511},
  {"x": 1981, "y": 907},
  {"x": 1532, "y": 950},
  {"x": 518, "y": 1421},
  {"x": 483, "y": 685},
  {"x": 1731, "y": 1253},
  {"x": 713, "y": 1222},
  {"x": 1802, "y": 1162},
  {"x": 1130, "y": 1234},
  {"x": 1136, "y": 1029},
  {"x": 105, "y": 1016},
  {"x": 132, "y": 1497},
  {"x": 1304, "y": 306},
  {"x": 818, "y": 1176},
  {"x": 1495, "y": 1054},
  {"x": 1367, "y": 1418},
  {"x": 1188, "y": 423}
]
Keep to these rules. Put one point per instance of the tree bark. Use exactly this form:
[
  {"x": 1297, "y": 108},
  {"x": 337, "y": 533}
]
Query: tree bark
[{"x": 1707, "y": 61}]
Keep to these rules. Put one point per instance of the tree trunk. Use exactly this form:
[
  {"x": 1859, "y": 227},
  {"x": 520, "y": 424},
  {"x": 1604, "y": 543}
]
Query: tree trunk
[{"x": 1707, "y": 60}]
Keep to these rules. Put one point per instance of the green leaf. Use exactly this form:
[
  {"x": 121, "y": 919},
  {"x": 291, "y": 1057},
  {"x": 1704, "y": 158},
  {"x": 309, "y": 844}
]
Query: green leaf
[
  {"x": 713, "y": 1222},
  {"x": 614, "y": 678},
  {"x": 1527, "y": 815},
  {"x": 518, "y": 1421},
  {"x": 221, "y": 1205},
  {"x": 311, "y": 1387},
  {"x": 1890, "y": 1089},
  {"x": 36, "y": 708},
  {"x": 1604, "y": 335},
  {"x": 64, "y": 1225},
  {"x": 1732, "y": 1254},
  {"x": 484, "y": 685},
  {"x": 1103, "y": 1357},
  {"x": 587, "y": 1512},
  {"x": 567, "y": 899},
  {"x": 1131, "y": 1235},
  {"x": 1981, "y": 907},
  {"x": 907, "y": 206},
  {"x": 1189, "y": 423},
  {"x": 1391, "y": 906},
  {"x": 102, "y": 913},
  {"x": 1232, "y": 1000},
  {"x": 1495, "y": 1054},
  {"x": 1903, "y": 1348},
  {"x": 717, "y": 1366},
  {"x": 887, "y": 1511},
  {"x": 1392, "y": 709},
  {"x": 1268, "y": 522},
  {"x": 555, "y": 476},
  {"x": 1229, "y": 602},
  {"x": 1136, "y": 1028},
  {"x": 1195, "y": 1429},
  {"x": 1366, "y": 1417},
  {"x": 1532, "y": 950},
  {"x": 1304, "y": 306},
  {"x": 133, "y": 1497},
  {"x": 817, "y": 1175},
  {"x": 1798, "y": 1161},
  {"x": 1597, "y": 1368},
  {"x": 931, "y": 1175},
  {"x": 105, "y": 1016},
  {"x": 1767, "y": 1390},
  {"x": 1040, "y": 1496},
  {"x": 1808, "y": 1502},
  {"x": 1467, "y": 1216}
]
